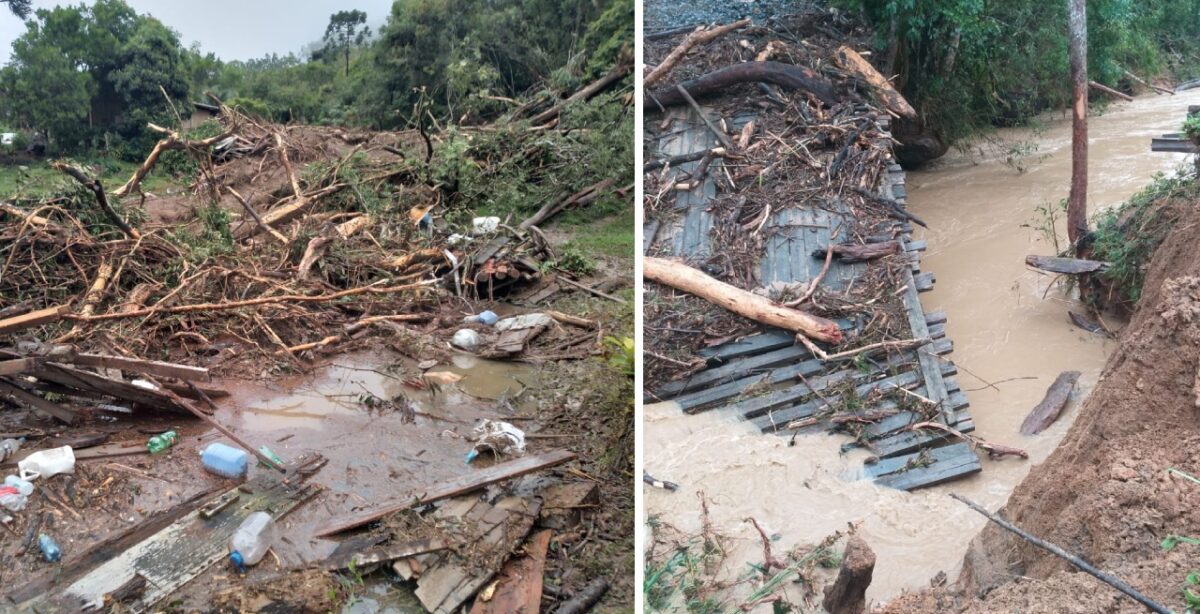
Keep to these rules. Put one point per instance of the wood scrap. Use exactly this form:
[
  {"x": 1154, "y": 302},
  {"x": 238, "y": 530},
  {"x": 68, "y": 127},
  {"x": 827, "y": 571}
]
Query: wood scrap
[
  {"x": 384, "y": 554},
  {"x": 1100, "y": 87},
  {"x": 586, "y": 598},
  {"x": 850, "y": 61},
  {"x": 1066, "y": 266},
  {"x": 698, "y": 37},
  {"x": 451, "y": 488},
  {"x": 30, "y": 319},
  {"x": 851, "y": 253},
  {"x": 97, "y": 190},
  {"x": 519, "y": 589},
  {"x": 848, "y": 593},
  {"x": 1045, "y": 413},
  {"x": 758, "y": 308},
  {"x": 994, "y": 450},
  {"x": 27, "y": 399},
  {"x": 172, "y": 142}
]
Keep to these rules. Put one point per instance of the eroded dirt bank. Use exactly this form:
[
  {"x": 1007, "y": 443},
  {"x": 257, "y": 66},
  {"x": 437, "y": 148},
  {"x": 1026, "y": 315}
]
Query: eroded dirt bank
[{"x": 1106, "y": 493}]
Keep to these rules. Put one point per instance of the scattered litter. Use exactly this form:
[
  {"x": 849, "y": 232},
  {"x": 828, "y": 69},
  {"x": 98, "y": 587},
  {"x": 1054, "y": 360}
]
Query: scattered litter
[
  {"x": 50, "y": 549},
  {"x": 47, "y": 463},
  {"x": 485, "y": 225},
  {"x": 8, "y": 447},
  {"x": 160, "y": 443},
  {"x": 252, "y": 540},
  {"x": 487, "y": 318},
  {"x": 269, "y": 453},
  {"x": 466, "y": 339},
  {"x": 501, "y": 438},
  {"x": 225, "y": 461},
  {"x": 528, "y": 320},
  {"x": 24, "y": 487},
  {"x": 443, "y": 377},
  {"x": 12, "y": 499},
  {"x": 426, "y": 365}
]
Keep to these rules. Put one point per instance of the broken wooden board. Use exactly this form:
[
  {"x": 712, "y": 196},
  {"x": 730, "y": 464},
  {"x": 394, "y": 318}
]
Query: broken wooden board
[
  {"x": 1174, "y": 145},
  {"x": 50, "y": 315},
  {"x": 1065, "y": 266},
  {"x": 451, "y": 488},
  {"x": 496, "y": 531},
  {"x": 113, "y": 450},
  {"x": 519, "y": 589},
  {"x": 175, "y": 555},
  {"x": 16, "y": 366},
  {"x": 384, "y": 554},
  {"x": 150, "y": 367},
  {"x": 563, "y": 504},
  {"x": 32, "y": 401},
  {"x": 926, "y": 468},
  {"x": 91, "y": 382},
  {"x": 1046, "y": 412}
]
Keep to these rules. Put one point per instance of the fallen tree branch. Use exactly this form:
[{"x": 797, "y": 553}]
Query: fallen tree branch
[
  {"x": 172, "y": 142},
  {"x": 726, "y": 142},
  {"x": 1110, "y": 91},
  {"x": 850, "y": 61},
  {"x": 758, "y": 308},
  {"x": 994, "y": 450},
  {"x": 900, "y": 344},
  {"x": 97, "y": 190},
  {"x": 699, "y": 37},
  {"x": 623, "y": 67},
  {"x": 256, "y": 217},
  {"x": 375, "y": 288},
  {"x": 1066, "y": 556},
  {"x": 784, "y": 75}
]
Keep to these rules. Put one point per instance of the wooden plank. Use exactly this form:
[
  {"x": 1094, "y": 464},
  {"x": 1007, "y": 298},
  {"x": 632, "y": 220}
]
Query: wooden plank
[
  {"x": 519, "y": 590},
  {"x": 113, "y": 450},
  {"x": 773, "y": 339},
  {"x": 17, "y": 366},
  {"x": 924, "y": 282},
  {"x": 444, "y": 587},
  {"x": 935, "y": 317},
  {"x": 937, "y": 331},
  {"x": 150, "y": 367},
  {"x": 1174, "y": 146},
  {"x": 726, "y": 372},
  {"x": 40, "y": 317},
  {"x": 1046, "y": 412},
  {"x": 776, "y": 420},
  {"x": 959, "y": 463},
  {"x": 703, "y": 399},
  {"x": 648, "y": 232},
  {"x": 889, "y": 466},
  {"x": 91, "y": 382},
  {"x": 384, "y": 554},
  {"x": 930, "y": 369},
  {"x": 38, "y": 404},
  {"x": 451, "y": 488}
]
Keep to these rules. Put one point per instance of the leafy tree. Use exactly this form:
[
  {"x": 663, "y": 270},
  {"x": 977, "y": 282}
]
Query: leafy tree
[
  {"x": 347, "y": 28},
  {"x": 20, "y": 8}
]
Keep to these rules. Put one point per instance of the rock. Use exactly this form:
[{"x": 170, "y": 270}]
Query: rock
[{"x": 848, "y": 593}]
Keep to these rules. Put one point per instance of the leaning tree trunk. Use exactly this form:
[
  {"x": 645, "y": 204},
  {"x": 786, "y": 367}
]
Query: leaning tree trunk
[{"x": 1077, "y": 49}]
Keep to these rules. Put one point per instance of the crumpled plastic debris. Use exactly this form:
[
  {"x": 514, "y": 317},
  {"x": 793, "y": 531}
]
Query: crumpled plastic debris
[{"x": 500, "y": 437}]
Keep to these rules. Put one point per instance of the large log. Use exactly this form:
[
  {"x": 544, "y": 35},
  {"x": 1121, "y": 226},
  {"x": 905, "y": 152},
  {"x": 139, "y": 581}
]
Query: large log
[
  {"x": 1100, "y": 87},
  {"x": 758, "y": 308},
  {"x": 1066, "y": 266},
  {"x": 698, "y": 37},
  {"x": 778, "y": 73},
  {"x": 848, "y": 593},
  {"x": 852, "y": 62},
  {"x": 1046, "y": 412}
]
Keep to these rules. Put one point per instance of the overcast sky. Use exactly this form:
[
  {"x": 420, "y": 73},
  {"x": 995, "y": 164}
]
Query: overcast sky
[{"x": 232, "y": 29}]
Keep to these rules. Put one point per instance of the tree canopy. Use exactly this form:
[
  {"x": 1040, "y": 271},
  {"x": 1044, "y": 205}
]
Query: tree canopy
[{"x": 347, "y": 28}]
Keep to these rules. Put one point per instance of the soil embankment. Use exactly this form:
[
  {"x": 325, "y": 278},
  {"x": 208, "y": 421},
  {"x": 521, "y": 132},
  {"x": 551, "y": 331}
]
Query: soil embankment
[{"x": 1106, "y": 493}]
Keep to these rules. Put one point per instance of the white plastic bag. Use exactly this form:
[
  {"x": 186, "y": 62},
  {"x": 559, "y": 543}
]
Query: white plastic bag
[{"x": 499, "y": 437}]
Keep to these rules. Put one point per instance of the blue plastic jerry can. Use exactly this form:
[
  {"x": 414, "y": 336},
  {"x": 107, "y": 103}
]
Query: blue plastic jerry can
[{"x": 225, "y": 461}]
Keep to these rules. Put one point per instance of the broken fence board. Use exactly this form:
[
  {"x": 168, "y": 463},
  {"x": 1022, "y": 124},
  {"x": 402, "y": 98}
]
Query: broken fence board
[
  {"x": 150, "y": 367},
  {"x": 450, "y": 488},
  {"x": 384, "y": 554},
  {"x": 1046, "y": 412},
  {"x": 949, "y": 463},
  {"x": 17, "y": 366},
  {"x": 519, "y": 590},
  {"x": 32, "y": 401},
  {"x": 31, "y": 319}
]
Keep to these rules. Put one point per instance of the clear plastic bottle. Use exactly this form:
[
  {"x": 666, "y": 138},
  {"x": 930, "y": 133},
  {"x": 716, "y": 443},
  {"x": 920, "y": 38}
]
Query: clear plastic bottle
[
  {"x": 12, "y": 499},
  {"x": 8, "y": 447},
  {"x": 50, "y": 549},
  {"x": 252, "y": 540},
  {"x": 23, "y": 486}
]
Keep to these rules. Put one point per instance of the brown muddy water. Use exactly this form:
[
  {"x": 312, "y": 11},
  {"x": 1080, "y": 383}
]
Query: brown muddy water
[
  {"x": 980, "y": 205},
  {"x": 374, "y": 454}
]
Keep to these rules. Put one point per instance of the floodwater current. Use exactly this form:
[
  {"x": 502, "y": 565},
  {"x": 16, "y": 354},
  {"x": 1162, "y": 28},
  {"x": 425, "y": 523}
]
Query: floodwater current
[{"x": 1011, "y": 339}]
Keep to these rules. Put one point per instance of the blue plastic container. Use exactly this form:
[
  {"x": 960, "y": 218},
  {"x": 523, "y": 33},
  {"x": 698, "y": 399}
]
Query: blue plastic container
[
  {"x": 50, "y": 548},
  {"x": 225, "y": 461}
]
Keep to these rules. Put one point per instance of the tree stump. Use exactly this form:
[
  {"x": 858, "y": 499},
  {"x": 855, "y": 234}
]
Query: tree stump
[{"x": 848, "y": 593}]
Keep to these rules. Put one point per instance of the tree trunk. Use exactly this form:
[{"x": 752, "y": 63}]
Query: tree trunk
[
  {"x": 1077, "y": 49},
  {"x": 758, "y": 308},
  {"x": 784, "y": 75},
  {"x": 848, "y": 594},
  {"x": 852, "y": 62}
]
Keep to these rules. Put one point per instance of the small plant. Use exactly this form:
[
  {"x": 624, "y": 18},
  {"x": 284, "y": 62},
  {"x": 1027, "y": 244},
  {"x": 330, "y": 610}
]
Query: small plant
[
  {"x": 623, "y": 355},
  {"x": 1171, "y": 541},
  {"x": 1191, "y": 127},
  {"x": 573, "y": 260},
  {"x": 1045, "y": 222},
  {"x": 1190, "y": 598}
]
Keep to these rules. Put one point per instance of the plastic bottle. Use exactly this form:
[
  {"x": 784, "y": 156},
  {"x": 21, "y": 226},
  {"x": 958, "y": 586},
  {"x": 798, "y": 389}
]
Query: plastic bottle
[
  {"x": 22, "y": 486},
  {"x": 47, "y": 463},
  {"x": 12, "y": 499},
  {"x": 8, "y": 447},
  {"x": 160, "y": 443},
  {"x": 225, "y": 461},
  {"x": 252, "y": 540},
  {"x": 486, "y": 318},
  {"x": 50, "y": 548}
]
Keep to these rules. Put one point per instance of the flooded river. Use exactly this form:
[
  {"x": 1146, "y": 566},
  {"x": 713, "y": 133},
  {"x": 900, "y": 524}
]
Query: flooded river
[{"x": 980, "y": 208}]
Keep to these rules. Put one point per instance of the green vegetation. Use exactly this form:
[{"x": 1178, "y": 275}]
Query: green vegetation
[
  {"x": 1191, "y": 600},
  {"x": 1127, "y": 235},
  {"x": 1170, "y": 541},
  {"x": 1191, "y": 127},
  {"x": 967, "y": 65}
]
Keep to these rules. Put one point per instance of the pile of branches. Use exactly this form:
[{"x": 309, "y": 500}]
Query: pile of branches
[{"x": 819, "y": 138}]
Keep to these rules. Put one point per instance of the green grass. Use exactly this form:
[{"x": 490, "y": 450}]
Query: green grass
[
  {"x": 37, "y": 180},
  {"x": 612, "y": 236}
]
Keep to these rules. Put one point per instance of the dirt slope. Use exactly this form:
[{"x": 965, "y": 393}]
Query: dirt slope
[{"x": 1105, "y": 494}]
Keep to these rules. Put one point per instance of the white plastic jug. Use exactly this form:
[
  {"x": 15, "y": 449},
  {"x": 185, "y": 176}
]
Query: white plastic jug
[
  {"x": 47, "y": 463},
  {"x": 252, "y": 539}
]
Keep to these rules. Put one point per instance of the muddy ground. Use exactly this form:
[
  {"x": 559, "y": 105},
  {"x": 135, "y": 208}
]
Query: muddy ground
[{"x": 1106, "y": 493}]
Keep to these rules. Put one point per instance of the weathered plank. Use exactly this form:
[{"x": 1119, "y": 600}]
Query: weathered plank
[
  {"x": 772, "y": 339},
  {"x": 451, "y": 488},
  {"x": 149, "y": 367},
  {"x": 731, "y": 370},
  {"x": 38, "y": 404},
  {"x": 1174, "y": 146},
  {"x": 1046, "y": 412},
  {"x": 702, "y": 399},
  {"x": 519, "y": 590},
  {"x": 17, "y": 366},
  {"x": 383, "y": 554},
  {"x": 40, "y": 317},
  {"x": 777, "y": 420},
  {"x": 946, "y": 463}
]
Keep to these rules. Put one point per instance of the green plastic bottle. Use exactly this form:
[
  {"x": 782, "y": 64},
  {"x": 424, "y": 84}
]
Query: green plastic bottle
[{"x": 159, "y": 443}]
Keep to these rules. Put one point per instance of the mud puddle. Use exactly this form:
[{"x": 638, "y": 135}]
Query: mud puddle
[
  {"x": 355, "y": 412},
  {"x": 980, "y": 209}
]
